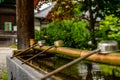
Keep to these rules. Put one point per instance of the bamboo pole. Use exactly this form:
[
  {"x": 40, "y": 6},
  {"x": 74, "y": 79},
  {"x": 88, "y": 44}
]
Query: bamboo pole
[{"x": 112, "y": 58}]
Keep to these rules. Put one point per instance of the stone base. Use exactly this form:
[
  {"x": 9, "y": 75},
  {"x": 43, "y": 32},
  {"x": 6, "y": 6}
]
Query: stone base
[{"x": 18, "y": 71}]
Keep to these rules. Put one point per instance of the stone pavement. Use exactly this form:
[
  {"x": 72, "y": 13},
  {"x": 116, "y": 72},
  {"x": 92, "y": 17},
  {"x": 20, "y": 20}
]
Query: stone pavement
[{"x": 4, "y": 51}]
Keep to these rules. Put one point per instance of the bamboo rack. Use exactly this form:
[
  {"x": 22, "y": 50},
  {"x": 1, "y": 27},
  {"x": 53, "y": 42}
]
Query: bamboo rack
[{"x": 112, "y": 58}]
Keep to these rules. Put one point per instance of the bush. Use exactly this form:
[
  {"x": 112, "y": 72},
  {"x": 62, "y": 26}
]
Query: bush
[
  {"x": 59, "y": 31},
  {"x": 74, "y": 34},
  {"x": 40, "y": 35},
  {"x": 109, "y": 29},
  {"x": 80, "y": 34}
]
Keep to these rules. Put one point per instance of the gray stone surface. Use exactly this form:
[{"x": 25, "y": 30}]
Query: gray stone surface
[
  {"x": 17, "y": 71},
  {"x": 4, "y": 51}
]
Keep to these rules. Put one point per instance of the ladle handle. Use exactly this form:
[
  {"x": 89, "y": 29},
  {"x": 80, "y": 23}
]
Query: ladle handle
[
  {"x": 37, "y": 54},
  {"x": 69, "y": 64},
  {"x": 24, "y": 51}
]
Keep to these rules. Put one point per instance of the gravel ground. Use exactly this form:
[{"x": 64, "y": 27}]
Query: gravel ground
[{"x": 4, "y": 51}]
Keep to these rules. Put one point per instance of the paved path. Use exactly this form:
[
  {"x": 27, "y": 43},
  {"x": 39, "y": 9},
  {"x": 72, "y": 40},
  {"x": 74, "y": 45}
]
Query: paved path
[{"x": 4, "y": 51}]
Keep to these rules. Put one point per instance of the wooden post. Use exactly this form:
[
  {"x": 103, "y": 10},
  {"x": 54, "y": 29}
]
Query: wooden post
[
  {"x": 25, "y": 22},
  {"x": 32, "y": 42}
]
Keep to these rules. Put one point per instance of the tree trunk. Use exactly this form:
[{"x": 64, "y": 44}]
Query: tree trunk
[
  {"x": 25, "y": 22},
  {"x": 91, "y": 22}
]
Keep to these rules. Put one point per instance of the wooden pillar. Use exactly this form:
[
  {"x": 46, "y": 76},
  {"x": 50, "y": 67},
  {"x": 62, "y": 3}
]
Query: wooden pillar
[{"x": 25, "y": 22}]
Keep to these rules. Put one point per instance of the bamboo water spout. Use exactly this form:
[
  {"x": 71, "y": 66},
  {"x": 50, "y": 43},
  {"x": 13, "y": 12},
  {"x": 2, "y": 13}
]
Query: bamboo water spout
[{"x": 112, "y": 58}]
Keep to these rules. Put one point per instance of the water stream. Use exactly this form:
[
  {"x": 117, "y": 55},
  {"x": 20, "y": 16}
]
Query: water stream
[{"x": 84, "y": 70}]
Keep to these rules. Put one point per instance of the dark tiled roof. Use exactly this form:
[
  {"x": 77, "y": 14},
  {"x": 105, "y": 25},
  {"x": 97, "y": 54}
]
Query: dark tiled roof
[{"x": 43, "y": 13}]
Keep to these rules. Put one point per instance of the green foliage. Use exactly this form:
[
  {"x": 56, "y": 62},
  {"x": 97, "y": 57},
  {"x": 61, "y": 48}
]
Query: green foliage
[
  {"x": 74, "y": 34},
  {"x": 37, "y": 35},
  {"x": 109, "y": 28},
  {"x": 3, "y": 74},
  {"x": 102, "y": 7},
  {"x": 76, "y": 10},
  {"x": 14, "y": 45},
  {"x": 58, "y": 31},
  {"x": 110, "y": 69},
  {"x": 80, "y": 34},
  {"x": 40, "y": 35}
]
